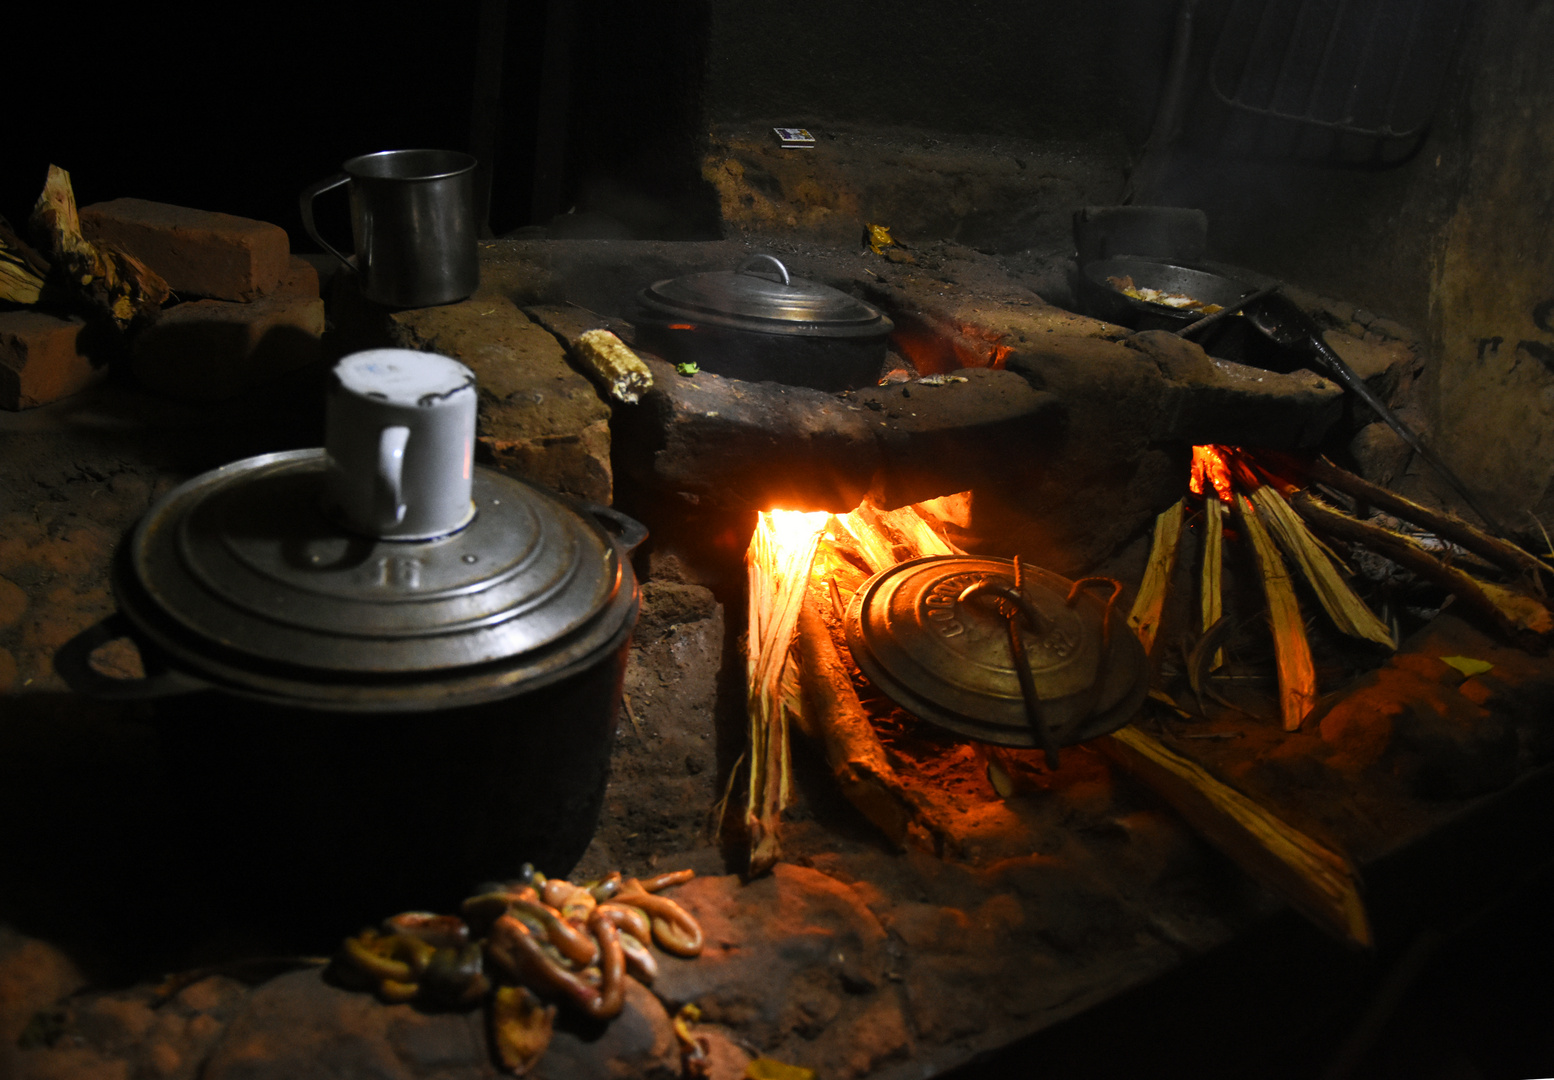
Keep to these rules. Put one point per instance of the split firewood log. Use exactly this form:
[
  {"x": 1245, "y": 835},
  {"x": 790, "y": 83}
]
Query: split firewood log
[
  {"x": 1150, "y": 602},
  {"x": 1347, "y": 611},
  {"x": 1319, "y": 882},
  {"x": 872, "y": 539},
  {"x": 1211, "y": 595},
  {"x": 1519, "y": 619},
  {"x": 22, "y": 270},
  {"x": 1292, "y": 652},
  {"x": 104, "y": 278},
  {"x": 1448, "y": 527},
  {"x": 836, "y": 719}
]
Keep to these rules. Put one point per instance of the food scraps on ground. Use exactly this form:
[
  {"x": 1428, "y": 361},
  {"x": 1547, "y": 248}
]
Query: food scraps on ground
[
  {"x": 695, "y": 1050},
  {"x": 519, "y": 947}
]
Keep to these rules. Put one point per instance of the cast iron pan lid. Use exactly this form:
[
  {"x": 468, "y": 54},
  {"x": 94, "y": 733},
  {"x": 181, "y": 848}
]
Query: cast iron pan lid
[
  {"x": 762, "y": 296},
  {"x": 240, "y": 577},
  {"x": 948, "y": 662}
]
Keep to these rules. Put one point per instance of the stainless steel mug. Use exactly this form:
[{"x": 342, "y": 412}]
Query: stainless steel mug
[
  {"x": 413, "y": 221},
  {"x": 399, "y": 444}
]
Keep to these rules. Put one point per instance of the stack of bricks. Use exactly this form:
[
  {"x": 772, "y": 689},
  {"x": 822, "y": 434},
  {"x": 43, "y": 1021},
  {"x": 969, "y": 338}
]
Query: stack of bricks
[{"x": 249, "y": 312}]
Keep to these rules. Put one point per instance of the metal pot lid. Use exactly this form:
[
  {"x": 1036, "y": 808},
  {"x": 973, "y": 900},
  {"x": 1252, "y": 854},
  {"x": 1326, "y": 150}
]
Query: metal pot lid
[
  {"x": 949, "y": 661},
  {"x": 762, "y": 296},
  {"x": 240, "y": 574}
]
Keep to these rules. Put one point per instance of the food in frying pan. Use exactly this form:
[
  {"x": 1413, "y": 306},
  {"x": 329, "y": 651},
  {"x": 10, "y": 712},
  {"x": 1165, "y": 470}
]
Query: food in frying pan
[{"x": 1180, "y": 301}]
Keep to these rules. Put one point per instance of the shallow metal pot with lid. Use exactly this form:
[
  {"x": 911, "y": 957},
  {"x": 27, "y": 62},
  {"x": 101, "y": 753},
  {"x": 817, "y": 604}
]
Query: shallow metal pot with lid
[
  {"x": 760, "y": 323},
  {"x": 921, "y": 632},
  {"x": 426, "y": 713}
]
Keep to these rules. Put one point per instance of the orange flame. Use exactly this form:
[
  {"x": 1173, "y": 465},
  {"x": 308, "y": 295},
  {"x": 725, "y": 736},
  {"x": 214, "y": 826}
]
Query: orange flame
[{"x": 1209, "y": 463}]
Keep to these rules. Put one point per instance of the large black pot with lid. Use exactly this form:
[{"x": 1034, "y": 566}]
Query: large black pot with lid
[
  {"x": 400, "y": 667},
  {"x": 760, "y": 323}
]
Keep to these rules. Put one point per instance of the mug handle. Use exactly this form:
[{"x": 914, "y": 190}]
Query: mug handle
[
  {"x": 390, "y": 508},
  {"x": 312, "y": 192},
  {"x": 73, "y": 662}
]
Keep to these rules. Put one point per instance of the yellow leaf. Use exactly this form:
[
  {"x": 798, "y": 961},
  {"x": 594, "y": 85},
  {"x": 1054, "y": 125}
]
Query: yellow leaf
[
  {"x": 768, "y": 1069},
  {"x": 1002, "y": 782},
  {"x": 1467, "y": 665}
]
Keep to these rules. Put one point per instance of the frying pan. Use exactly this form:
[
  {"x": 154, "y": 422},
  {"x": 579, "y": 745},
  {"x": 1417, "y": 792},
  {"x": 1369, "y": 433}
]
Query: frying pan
[
  {"x": 1103, "y": 300},
  {"x": 1275, "y": 316}
]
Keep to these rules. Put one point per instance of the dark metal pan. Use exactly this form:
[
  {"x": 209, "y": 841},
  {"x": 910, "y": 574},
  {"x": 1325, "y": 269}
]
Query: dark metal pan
[{"x": 1103, "y": 300}]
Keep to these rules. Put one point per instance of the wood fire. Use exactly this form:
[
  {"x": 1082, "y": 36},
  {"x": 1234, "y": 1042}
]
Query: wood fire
[{"x": 912, "y": 783}]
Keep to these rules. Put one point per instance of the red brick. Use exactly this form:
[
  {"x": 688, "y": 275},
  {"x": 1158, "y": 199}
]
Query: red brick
[
  {"x": 210, "y": 350},
  {"x": 300, "y": 279},
  {"x": 198, "y": 252},
  {"x": 40, "y": 359}
]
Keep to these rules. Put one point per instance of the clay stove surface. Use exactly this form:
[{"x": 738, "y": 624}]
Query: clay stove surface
[{"x": 850, "y": 957}]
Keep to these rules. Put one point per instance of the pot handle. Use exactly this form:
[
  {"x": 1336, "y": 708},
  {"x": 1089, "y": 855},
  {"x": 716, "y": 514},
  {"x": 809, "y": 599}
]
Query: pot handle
[
  {"x": 73, "y": 662},
  {"x": 755, "y": 260},
  {"x": 627, "y": 531}
]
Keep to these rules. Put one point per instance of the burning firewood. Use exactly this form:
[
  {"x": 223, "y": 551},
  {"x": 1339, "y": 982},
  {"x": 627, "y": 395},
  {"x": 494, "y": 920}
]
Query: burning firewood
[
  {"x": 1211, "y": 598},
  {"x": 106, "y": 279},
  {"x": 1297, "y": 675},
  {"x": 1147, "y": 606},
  {"x": 1513, "y": 615},
  {"x": 864, "y": 526},
  {"x": 915, "y": 532},
  {"x": 1318, "y": 882},
  {"x": 835, "y": 718},
  {"x": 1348, "y": 611},
  {"x": 778, "y": 563}
]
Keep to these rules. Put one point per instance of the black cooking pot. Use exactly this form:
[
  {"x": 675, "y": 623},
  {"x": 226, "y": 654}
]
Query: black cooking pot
[
  {"x": 761, "y": 324},
  {"x": 366, "y": 725},
  {"x": 1102, "y": 299}
]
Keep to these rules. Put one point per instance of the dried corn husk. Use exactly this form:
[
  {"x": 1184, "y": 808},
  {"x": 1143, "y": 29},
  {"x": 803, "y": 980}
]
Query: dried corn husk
[
  {"x": 1147, "y": 606},
  {"x": 1318, "y": 882},
  {"x": 1348, "y": 611},
  {"x": 1297, "y": 676}
]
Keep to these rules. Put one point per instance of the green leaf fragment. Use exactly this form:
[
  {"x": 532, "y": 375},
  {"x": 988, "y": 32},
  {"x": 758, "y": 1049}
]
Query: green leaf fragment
[{"x": 687, "y": 368}]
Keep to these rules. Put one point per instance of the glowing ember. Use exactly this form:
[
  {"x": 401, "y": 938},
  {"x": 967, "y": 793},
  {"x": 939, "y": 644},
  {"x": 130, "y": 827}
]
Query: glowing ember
[{"x": 1209, "y": 462}]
